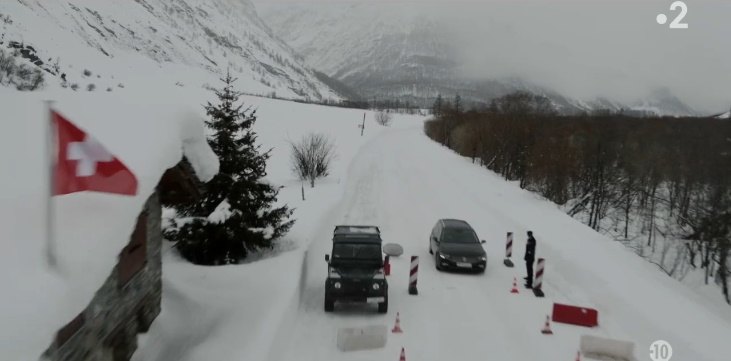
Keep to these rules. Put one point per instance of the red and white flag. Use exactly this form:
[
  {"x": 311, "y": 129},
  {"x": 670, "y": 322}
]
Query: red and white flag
[{"x": 84, "y": 164}]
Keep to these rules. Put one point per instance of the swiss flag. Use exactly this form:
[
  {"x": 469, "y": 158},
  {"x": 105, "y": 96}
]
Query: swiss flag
[{"x": 83, "y": 164}]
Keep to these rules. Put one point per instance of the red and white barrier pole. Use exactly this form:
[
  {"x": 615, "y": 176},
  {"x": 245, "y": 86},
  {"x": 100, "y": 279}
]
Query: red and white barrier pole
[
  {"x": 509, "y": 245},
  {"x": 412, "y": 275},
  {"x": 508, "y": 250},
  {"x": 387, "y": 266},
  {"x": 538, "y": 283}
]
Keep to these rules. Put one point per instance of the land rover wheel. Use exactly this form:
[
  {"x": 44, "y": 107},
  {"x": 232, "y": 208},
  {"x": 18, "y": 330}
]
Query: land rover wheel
[
  {"x": 329, "y": 305},
  {"x": 383, "y": 306}
]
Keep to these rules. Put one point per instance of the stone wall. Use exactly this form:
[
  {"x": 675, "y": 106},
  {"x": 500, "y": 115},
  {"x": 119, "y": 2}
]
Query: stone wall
[{"x": 107, "y": 329}]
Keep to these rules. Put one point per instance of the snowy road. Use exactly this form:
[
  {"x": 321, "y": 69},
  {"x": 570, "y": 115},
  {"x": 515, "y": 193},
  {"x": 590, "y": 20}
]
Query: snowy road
[{"x": 403, "y": 182}]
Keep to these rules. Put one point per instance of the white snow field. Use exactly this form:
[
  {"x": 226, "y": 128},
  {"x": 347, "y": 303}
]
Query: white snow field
[{"x": 396, "y": 178}]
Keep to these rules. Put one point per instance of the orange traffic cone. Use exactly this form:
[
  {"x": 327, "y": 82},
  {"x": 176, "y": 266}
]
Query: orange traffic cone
[
  {"x": 578, "y": 355},
  {"x": 397, "y": 326},
  {"x": 547, "y": 327},
  {"x": 403, "y": 355},
  {"x": 515, "y": 286}
]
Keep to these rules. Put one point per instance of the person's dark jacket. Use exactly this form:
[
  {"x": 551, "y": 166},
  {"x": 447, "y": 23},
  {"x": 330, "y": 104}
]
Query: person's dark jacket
[{"x": 530, "y": 249}]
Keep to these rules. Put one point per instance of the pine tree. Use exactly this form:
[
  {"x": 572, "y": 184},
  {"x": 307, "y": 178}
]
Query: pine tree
[
  {"x": 436, "y": 109},
  {"x": 236, "y": 215},
  {"x": 457, "y": 103}
]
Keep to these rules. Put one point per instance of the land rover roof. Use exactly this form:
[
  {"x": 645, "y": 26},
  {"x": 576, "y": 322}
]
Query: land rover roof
[
  {"x": 348, "y": 229},
  {"x": 357, "y": 234}
]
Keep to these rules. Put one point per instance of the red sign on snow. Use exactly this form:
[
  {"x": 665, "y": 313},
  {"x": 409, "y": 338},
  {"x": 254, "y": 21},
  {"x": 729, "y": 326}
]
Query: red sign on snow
[{"x": 575, "y": 315}]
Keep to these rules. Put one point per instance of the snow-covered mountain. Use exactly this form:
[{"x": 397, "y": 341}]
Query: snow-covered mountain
[
  {"x": 663, "y": 102},
  {"x": 110, "y": 43},
  {"x": 407, "y": 51},
  {"x": 397, "y": 52},
  {"x": 353, "y": 40}
]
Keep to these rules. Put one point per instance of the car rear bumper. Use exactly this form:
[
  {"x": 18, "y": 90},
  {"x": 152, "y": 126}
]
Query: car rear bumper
[
  {"x": 359, "y": 292},
  {"x": 475, "y": 266},
  {"x": 359, "y": 299}
]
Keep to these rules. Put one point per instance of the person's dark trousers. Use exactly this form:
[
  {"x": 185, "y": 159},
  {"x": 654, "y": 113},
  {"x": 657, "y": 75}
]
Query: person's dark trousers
[{"x": 529, "y": 270}]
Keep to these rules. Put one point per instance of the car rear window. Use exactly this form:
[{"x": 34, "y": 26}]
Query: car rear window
[{"x": 459, "y": 235}]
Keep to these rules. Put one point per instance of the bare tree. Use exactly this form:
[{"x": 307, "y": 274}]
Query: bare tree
[
  {"x": 383, "y": 118},
  {"x": 311, "y": 157}
]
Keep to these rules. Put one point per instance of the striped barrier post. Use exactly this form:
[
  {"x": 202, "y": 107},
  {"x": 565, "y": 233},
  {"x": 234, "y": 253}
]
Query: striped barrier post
[
  {"x": 508, "y": 250},
  {"x": 412, "y": 275},
  {"x": 538, "y": 283}
]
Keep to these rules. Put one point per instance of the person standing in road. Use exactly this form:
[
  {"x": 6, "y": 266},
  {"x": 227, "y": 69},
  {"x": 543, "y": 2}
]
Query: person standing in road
[{"x": 530, "y": 256}]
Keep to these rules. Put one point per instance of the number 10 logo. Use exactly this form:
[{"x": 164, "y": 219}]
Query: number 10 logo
[
  {"x": 661, "y": 351},
  {"x": 676, "y": 23}
]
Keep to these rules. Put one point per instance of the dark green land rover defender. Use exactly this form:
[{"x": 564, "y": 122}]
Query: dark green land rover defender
[{"x": 355, "y": 270}]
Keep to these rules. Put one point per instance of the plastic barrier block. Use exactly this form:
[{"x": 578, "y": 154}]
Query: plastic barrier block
[
  {"x": 606, "y": 348},
  {"x": 575, "y": 315}
]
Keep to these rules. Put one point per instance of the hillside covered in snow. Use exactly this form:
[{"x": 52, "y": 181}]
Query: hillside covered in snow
[{"x": 107, "y": 45}]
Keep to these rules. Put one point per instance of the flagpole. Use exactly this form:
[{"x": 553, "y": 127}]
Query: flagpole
[{"x": 50, "y": 150}]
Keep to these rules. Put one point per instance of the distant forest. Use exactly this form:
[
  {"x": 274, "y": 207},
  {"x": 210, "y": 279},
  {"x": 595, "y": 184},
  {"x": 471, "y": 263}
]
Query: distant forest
[{"x": 654, "y": 178}]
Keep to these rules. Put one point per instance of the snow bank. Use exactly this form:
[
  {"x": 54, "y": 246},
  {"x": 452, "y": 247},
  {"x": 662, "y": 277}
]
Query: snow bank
[
  {"x": 148, "y": 134},
  {"x": 221, "y": 313}
]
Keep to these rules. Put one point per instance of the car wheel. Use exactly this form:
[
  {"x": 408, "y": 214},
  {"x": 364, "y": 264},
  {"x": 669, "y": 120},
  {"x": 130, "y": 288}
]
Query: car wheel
[
  {"x": 436, "y": 261},
  {"x": 430, "y": 250},
  {"x": 383, "y": 306},
  {"x": 329, "y": 305}
]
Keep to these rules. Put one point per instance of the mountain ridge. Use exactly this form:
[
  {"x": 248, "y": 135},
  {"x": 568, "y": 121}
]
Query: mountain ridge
[
  {"x": 407, "y": 53},
  {"x": 125, "y": 40}
]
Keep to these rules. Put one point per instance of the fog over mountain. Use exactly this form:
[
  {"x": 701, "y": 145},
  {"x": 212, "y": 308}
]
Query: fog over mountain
[{"x": 583, "y": 51}]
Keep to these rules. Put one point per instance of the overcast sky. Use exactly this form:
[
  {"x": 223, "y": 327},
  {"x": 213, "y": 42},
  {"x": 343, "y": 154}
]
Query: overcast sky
[{"x": 587, "y": 48}]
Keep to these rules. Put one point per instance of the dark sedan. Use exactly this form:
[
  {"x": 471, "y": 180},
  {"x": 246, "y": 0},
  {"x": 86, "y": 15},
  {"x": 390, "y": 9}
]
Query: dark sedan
[{"x": 455, "y": 245}]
